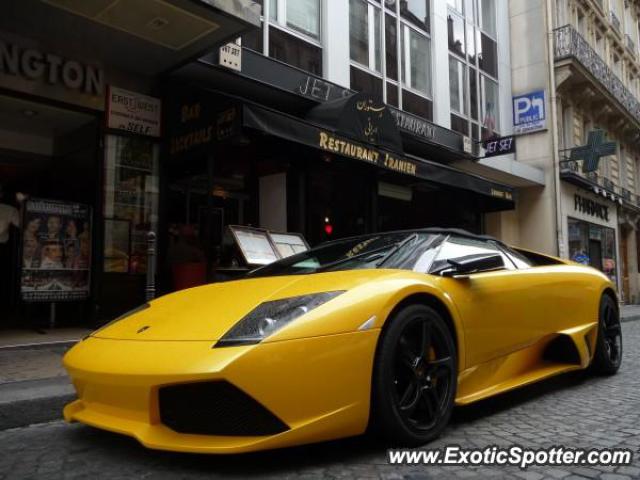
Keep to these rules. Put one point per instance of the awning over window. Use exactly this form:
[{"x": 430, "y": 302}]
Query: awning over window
[{"x": 332, "y": 140}]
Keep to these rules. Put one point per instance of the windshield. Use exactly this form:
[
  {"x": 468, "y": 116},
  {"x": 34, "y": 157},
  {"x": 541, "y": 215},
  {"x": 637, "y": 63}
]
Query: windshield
[{"x": 404, "y": 250}]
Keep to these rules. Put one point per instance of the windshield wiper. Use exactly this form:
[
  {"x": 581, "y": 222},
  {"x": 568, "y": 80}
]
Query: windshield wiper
[
  {"x": 354, "y": 257},
  {"x": 396, "y": 247},
  {"x": 371, "y": 253}
]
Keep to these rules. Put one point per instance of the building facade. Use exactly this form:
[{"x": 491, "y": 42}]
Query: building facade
[
  {"x": 583, "y": 56},
  {"x": 325, "y": 117},
  {"x": 440, "y": 69}
]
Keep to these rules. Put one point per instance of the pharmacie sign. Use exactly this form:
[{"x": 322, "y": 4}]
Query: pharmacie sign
[
  {"x": 133, "y": 112},
  {"x": 49, "y": 68},
  {"x": 591, "y": 207}
]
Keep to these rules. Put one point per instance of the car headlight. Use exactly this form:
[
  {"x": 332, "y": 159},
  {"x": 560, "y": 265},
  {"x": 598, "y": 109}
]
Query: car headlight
[
  {"x": 144, "y": 306},
  {"x": 269, "y": 317}
]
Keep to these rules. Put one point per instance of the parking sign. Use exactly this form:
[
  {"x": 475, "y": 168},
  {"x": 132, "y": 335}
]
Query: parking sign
[{"x": 529, "y": 112}]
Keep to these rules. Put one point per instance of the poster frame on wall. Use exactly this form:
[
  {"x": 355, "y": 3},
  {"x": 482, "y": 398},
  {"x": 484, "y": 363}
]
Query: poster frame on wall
[{"x": 57, "y": 207}]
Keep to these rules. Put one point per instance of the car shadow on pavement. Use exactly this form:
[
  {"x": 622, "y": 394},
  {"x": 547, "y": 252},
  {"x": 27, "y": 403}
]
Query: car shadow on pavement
[
  {"x": 519, "y": 396},
  {"x": 322, "y": 456}
]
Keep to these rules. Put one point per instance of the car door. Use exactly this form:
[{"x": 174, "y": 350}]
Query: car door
[{"x": 499, "y": 309}]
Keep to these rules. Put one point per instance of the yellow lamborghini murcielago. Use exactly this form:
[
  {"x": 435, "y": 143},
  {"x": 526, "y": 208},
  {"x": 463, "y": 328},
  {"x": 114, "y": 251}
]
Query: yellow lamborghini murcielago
[{"x": 385, "y": 331}]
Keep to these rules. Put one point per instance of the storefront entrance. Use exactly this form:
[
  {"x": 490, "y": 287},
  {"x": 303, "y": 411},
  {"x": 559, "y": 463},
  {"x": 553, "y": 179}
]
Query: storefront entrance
[
  {"x": 594, "y": 245},
  {"x": 48, "y": 173}
]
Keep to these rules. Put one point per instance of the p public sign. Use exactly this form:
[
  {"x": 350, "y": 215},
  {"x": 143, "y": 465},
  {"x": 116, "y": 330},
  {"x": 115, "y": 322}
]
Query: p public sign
[{"x": 529, "y": 113}]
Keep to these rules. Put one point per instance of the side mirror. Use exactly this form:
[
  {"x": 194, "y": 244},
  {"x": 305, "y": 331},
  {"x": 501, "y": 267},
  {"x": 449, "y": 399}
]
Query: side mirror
[{"x": 484, "y": 262}]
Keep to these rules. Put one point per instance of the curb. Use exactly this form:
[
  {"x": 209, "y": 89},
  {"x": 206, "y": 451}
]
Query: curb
[
  {"x": 41, "y": 345},
  {"x": 33, "y": 401},
  {"x": 630, "y": 318}
]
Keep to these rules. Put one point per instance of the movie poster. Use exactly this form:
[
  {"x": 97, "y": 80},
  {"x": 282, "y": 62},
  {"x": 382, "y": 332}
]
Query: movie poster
[{"x": 56, "y": 251}]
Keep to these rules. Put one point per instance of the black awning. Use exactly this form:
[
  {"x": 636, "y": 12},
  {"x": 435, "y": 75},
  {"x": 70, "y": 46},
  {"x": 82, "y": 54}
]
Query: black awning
[
  {"x": 360, "y": 117},
  {"x": 324, "y": 138}
]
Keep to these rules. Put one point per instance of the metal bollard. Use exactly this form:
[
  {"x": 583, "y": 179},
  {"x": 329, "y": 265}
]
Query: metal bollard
[{"x": 150, "y": 290}]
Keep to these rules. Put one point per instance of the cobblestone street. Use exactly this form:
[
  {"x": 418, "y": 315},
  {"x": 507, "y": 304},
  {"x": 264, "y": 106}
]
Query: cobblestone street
[{"x": 572, "y": 411}]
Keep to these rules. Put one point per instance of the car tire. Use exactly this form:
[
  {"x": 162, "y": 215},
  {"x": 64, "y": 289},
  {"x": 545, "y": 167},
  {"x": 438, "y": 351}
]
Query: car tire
[
  {"x": 608, "y": 355},
  {"x": 414, "y": 386}
]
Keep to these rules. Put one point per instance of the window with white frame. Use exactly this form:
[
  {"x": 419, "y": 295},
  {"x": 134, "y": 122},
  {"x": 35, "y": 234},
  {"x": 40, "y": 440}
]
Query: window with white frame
[
  {"x": 293, "y": 34},
  {"x": 473, "y": 67},
  {"x": 390, "y": 49},
  {"x": 364, "y": 34},
  {"x": 300, "y": 15}
]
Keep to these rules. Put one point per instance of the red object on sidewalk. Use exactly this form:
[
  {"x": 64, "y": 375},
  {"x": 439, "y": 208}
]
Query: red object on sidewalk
[{"x": 187, "y": 275}]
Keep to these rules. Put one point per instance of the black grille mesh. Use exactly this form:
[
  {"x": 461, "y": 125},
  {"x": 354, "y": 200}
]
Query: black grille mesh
[{"x": 215, "y": 408}]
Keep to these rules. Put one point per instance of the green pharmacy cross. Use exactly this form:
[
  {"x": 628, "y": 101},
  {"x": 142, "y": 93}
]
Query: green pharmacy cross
[{"x": 591, "y": 153}]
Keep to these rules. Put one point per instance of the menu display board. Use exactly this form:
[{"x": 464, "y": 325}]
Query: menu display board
[
  {"x": 261, "y": 247},
  {"x": 56, "y": 251},
  {"x": 255, "y": 245},
  {"x": 289, "y": 243}
]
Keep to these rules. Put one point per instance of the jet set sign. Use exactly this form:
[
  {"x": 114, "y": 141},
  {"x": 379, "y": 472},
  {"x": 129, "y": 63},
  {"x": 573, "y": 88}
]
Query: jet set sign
[{"x": 529, "y": 112}]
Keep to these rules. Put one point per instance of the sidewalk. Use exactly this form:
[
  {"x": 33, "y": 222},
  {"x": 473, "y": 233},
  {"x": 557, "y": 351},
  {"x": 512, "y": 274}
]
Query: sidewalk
[
  {"x": 33, "y": 384},
  {"x": 34, "y": 387},
  {"x": 28, "y": 338}
]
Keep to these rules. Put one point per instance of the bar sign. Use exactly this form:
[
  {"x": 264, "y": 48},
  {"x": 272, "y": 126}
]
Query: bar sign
[{"x": 231, "y": 55}]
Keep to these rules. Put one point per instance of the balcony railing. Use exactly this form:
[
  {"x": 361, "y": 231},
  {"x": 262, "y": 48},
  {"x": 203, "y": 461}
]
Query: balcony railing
[
  {"x": 570, "y": 44},
  {"x": 615, "y": 21},
  {"x": 573, "y": 169}
]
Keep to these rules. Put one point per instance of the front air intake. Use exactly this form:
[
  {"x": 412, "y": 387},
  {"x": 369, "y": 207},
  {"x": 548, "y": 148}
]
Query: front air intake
[{"x": 215, "y": 408}]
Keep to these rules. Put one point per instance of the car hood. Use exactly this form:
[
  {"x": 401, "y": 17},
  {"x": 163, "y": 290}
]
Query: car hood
[{"x": 209, "y": 311}]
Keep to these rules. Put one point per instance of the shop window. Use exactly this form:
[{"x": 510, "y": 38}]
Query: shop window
[
  {"x": 362, "y": 81},
  {"x": 416, "y": 12},
  {"x": 295, "y": 51},
  {"x": 131, "y": 202},
  {"x": 364, "y": 34},
  {"x": 593, "y": 245},
  {"x": 457, "y": 86},
  {"x": 416, "y": 60},
  {"x": 417, "y": 105}
]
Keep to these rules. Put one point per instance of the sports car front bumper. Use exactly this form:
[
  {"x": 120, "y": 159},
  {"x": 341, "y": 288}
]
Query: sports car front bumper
[{"x": 318, "y": 388}]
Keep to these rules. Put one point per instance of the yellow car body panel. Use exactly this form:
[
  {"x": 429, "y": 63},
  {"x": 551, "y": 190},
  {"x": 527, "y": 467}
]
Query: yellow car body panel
[{"x": 315, "y": 373}]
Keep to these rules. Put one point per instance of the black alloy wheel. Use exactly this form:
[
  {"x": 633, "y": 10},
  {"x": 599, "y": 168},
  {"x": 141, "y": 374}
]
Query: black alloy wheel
[
  {"x": 608, "y": 354},
  {"x": 415, "y": 377}
]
